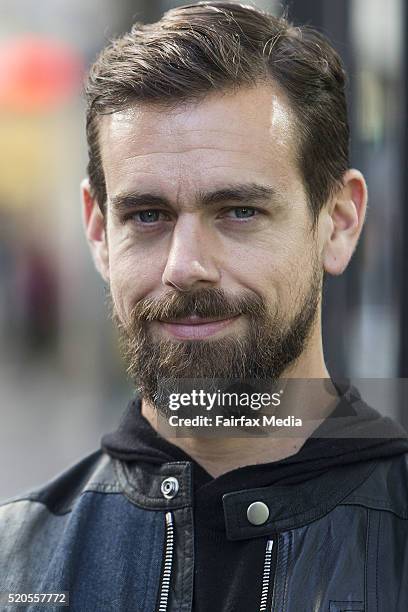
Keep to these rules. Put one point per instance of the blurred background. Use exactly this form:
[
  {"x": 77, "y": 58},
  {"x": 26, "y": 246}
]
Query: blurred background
[{"x": 61, "y": 381}]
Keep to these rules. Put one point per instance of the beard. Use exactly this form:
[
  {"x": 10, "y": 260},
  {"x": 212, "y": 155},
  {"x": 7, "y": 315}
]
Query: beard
[{"x": 273, "y": 340}]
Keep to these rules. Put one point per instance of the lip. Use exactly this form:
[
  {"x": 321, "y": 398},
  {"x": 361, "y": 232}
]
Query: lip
[{"x": 195, "y": 328}]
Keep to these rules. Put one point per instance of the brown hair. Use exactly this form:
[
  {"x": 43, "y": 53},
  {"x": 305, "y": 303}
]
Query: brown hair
[{"x": 215, "y": 46}]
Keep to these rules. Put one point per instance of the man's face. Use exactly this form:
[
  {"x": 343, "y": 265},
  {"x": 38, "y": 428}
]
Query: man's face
[{"x": 211, "y": 251}]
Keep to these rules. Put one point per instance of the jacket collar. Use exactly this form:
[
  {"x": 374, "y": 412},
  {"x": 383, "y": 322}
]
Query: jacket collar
[
  {"x": 169, "y": 484},
  {"x": 289, "y": 507}
]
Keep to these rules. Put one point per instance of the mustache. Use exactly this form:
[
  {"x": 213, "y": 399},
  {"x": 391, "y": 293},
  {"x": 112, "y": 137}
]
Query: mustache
[{"x": 207, "y": 302}]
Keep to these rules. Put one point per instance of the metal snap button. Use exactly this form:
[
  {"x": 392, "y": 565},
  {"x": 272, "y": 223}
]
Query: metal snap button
[
  {"x": 257, "y": 513},
  {"x": 169, "y": 487}
]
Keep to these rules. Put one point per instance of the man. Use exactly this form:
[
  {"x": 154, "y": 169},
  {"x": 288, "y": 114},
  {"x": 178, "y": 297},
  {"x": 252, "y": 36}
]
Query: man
[{"x": 219, "y": 194}]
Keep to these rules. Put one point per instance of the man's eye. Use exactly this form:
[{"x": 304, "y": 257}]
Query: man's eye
[
  {"x": 243, "y": 212},
  {"x": 148, "y": 216}
]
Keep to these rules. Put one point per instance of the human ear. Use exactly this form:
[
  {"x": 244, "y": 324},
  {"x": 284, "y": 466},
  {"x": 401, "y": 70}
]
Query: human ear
[
  {"x": 346, "y": 214},
  {"x": 95, "y": 231}
]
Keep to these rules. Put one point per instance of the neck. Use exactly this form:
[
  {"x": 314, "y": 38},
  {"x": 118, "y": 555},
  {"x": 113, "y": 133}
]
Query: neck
[{"x": 310, "y": 400}]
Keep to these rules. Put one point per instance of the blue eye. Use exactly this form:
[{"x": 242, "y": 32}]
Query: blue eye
[
  {"x": 149, "y": 216},
  {"x": 243, "y": 212}
]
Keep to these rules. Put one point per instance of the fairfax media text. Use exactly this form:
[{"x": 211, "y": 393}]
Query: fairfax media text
[{"x": 231, "y": 421}]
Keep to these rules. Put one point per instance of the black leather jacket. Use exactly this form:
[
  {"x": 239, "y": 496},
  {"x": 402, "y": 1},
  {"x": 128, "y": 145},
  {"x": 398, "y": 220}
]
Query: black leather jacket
[{"x": 118, "y": 535}]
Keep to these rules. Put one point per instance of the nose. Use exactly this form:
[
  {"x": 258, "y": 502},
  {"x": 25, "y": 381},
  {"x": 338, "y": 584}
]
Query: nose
[{"x": 191, "y": 261}]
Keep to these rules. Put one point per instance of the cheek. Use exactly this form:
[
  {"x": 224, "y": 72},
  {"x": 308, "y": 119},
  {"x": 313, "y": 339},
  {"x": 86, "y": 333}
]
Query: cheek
[
  {"x": 133, "y": 276},
  {"x": 275, "y": 268},
  {"x": 265, "y": 256}
]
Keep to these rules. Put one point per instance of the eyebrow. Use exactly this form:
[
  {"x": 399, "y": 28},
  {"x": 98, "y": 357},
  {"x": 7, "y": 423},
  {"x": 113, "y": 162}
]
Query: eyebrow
[{"x": 241, "y": 194}]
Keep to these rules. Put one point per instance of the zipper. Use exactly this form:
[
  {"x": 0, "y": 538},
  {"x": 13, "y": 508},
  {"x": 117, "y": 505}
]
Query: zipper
[
  {"x": 168, "y": 562},
  {"x": 266, "y": 576}
]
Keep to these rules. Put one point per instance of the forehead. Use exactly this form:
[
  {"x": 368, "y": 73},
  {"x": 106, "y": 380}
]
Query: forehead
[{"x": 225, "y": 138}]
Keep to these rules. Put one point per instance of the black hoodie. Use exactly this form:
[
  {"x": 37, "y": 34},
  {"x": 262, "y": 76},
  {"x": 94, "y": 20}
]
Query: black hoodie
[{"x": 227, "y": 573}]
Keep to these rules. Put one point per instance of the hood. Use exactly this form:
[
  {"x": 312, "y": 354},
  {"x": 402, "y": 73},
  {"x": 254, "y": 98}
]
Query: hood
[
  {"x": 362, "y": 435},
  {"x": 352, "y": 432}
]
